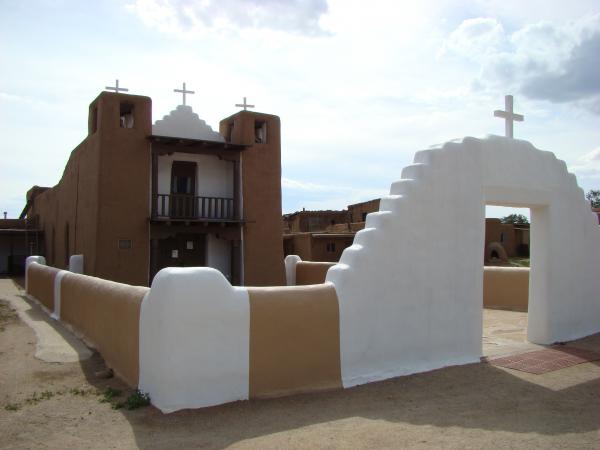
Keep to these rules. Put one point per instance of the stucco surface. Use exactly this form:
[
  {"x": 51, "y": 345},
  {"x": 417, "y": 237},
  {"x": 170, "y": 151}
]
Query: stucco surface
[
  {"x": 106, "y": 314},
  {"x": 76, "y": 264},
  {"x": 31, "y": 259},
  {"x": 310, "y": 272},
  {"x": 408, "y": 304},
  {"x": 194, "y": 339},
  {"x": 40, "y": 283},
  {"x": 506, "y": 288},
  {"x": 294, "y": 340}
]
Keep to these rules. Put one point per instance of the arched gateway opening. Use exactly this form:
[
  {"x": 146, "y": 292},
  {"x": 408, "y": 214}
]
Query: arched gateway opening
[{"x": 410, "y": 287}]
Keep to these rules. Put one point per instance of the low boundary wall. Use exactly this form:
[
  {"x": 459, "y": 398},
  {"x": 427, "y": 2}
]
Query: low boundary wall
[
  {"x": 40, "y": 284},
  {"x": 193, "y": 340},
  {"x": 105, "y": 314},
  {"x": 269, "y": 341},
  {"x": 294, "y": 340},
  {"x": 308, "y": 272},
  {"x": 506, "y": 288}
]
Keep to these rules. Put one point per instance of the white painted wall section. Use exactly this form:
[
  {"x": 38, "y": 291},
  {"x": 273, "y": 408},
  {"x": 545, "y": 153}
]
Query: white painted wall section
[
  {"x": 194, "y": 339},
  {"x": 57, "y": 294},
  {"x": 76, "y": 264},
  {"x": 410, "y": 289},
  {"x": 290, "y": 262}
]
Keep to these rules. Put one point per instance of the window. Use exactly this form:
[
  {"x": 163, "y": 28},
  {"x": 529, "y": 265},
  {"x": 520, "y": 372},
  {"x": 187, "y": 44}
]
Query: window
[
  {"x": 124, "y": 244},
  {"x": 126, "y": 115},
  {"x": 364, "y": 217},
  {"x": 501, "y": 237},
  {"x": 260, "y": 132},
  {"x": 183, "y": 177},
  {"x": 331, "y": 247}
]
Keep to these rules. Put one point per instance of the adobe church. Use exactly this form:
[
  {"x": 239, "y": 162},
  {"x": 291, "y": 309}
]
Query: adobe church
[{"x": 136, "y": 197}]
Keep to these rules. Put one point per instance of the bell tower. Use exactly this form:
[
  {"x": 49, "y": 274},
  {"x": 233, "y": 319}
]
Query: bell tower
[{"x": 261, "y": 194}]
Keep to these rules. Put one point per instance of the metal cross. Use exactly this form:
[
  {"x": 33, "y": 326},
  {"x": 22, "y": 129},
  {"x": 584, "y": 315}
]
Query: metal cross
[
  {"x": 244, "y": 105},
  {"x": 116, "y": 88},
  {"x": 183, "y": 91},
  {"x": 509, "y": 116}
]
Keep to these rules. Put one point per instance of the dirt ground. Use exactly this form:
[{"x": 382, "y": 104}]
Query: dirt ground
[{"x": 56, "y": 405}]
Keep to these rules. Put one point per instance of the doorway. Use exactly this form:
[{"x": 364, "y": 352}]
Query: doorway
[
  {"x": 183, "y": 189},
  {"x": 182, "y": 250},
  {"x": 506, "y": 281}
]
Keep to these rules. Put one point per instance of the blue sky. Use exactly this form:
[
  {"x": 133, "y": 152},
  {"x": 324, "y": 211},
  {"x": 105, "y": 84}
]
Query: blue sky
[{"x": 359, "y": 87}]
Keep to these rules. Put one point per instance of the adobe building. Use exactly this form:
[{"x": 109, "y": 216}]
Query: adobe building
[
  {"x": 505, "y": 240},
  {"x": 136, "y": 197},
  {"x": 19, "y": 238}
]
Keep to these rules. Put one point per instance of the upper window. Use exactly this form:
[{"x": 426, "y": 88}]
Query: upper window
[
  {"x": 260, "y": 132},
  {"x": 183, "y": 177},
  {"x": 126, "y": 115}
]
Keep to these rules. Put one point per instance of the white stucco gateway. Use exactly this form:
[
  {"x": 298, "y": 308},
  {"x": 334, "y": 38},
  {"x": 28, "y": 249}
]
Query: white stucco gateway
[{"x": 410, "y": 287}]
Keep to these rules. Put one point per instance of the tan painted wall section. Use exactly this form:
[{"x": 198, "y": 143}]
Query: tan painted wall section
[
  {"x": 310, "y": 272},
  {"x": 506, "y": 288},
  {"x": 40, "y": 284},
  {"x": 107, "y": 314},
  {"x": 294, "y": 340}
]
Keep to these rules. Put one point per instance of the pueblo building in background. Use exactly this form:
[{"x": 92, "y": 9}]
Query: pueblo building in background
[
  {"x": 323, "y": 235},
  {"x": 136, "y": 197}
]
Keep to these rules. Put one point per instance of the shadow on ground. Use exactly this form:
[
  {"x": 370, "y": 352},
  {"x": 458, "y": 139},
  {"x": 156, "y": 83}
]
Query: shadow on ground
[{"x": 475, "y": 396}]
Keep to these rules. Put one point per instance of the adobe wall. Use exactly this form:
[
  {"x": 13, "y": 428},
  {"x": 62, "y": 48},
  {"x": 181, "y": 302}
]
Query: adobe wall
[
  {"x": 269, "y": 341},
  {"x": 319, "y": 251},
  {"x": 40, "y": 284},
  {"x": 357, "y": 210},
  {"x": 506, "y": 288},
  {"x": 294, "y": 340},
  {"x": 496, "y": 231},
  {"x": 310, "y": 272},
  {"x": 261, "y": 190},
  {"x": 304, "y": 221},
  {"x": 99, "y": 200},
  {"x": 72, "y": 204},
  {"x": 104, "y": 313},
  {"x": 107, "y": 314}
]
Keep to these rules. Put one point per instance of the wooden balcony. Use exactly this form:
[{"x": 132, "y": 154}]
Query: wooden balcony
[{"x": 184, "y": 207}]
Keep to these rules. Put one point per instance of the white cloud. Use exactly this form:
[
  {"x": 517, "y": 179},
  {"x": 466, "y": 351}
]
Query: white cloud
[
  {"x": 543, "y": 61},
  {"x": 476, "y": 38},
  {"x": 187, "y": 16},
  {"x": 588, "y": 165}
]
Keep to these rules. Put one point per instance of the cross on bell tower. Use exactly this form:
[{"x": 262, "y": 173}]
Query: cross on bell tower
[
  {"x": 244, "y": 105},
  {"x": 116, "y": 88},
  {"x": 184, "y": 92},
  {"x": 508, "y": 115}
]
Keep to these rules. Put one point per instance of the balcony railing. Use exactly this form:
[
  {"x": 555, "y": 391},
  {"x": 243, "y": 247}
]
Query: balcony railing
[{"x": 190, "y": 207}]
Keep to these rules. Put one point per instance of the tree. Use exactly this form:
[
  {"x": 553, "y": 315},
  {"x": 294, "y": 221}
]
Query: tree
[
  {"x": 594, "y": 197},
  {"x": 515, "y": 218}
]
